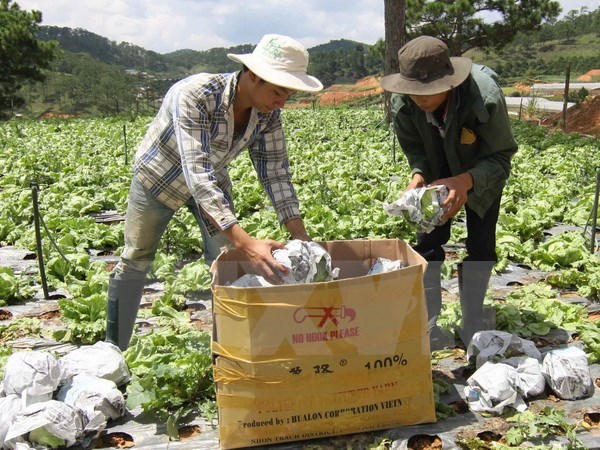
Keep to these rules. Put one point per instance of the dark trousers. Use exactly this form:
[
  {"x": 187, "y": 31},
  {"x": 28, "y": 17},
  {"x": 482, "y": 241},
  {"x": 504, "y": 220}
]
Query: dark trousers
[
  {"x": 474, "y": 271},
  {"x": 481, "y": 237}
]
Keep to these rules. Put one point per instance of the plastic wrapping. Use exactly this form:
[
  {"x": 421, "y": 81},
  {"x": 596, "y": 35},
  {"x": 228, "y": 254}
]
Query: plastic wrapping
[
  {"x": 530, "y": 377},
  {"x": 86, "y": 360},
  {"x": 421, "y": 206},
  {"x": 9, "y": 406},
  {"x": 250, "y": 280},
  {"x": 493, "y": 387},
  {"x": 57, "y": 418},
  {"x": 22, "y": 446},
  {"x": 497, "y": 345},
  {"x": 384, "y": 265},
  {"x": 92, "y": 396},
  {"x": 32, "y": 375},
  {"x": 568, "y": 374},
  {"x": 307, "y": 262}
]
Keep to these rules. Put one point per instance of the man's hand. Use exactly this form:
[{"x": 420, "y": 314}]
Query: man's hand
[
  {"x": 261, "y": 259},
  {"x": 297, "y": 230},
  {"x": 458, "y": 188},
  {"x": 417, "y": 181},
  {"x": 258, "y": 252}
]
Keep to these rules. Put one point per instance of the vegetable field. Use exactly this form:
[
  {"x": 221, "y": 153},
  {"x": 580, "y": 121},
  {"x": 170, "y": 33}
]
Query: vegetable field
[{"x": 345, "y": 165}]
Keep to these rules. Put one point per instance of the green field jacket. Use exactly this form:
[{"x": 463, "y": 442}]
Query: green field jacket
[{"x": 478, "y": 137}]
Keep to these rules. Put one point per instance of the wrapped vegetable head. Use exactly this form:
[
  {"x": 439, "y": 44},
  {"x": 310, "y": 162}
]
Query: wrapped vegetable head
[{"x": 421, "y": 207}]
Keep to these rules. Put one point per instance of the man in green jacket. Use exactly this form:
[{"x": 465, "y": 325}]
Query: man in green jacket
[{"x": 451, "y": 120}]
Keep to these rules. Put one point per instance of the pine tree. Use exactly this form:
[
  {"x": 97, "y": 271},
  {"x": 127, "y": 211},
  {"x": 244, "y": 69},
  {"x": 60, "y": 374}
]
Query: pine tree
[{"x": 22, "y": 57}]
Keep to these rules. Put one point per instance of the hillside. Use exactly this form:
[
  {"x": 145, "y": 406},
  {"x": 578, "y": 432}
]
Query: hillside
[
  {"x": 212, "y": 60},
  {"x": 186, "y": 61},
  {"x": 94, "y": 75},
  {"x": 543, "y": 54},
  {"x": 532, "y": 53},
  {"x": 546, "y": 60},
  {"x": 129, "y": 56},
  {"x": 337, "y": 45},
  {"x": 539, "y": 53}
]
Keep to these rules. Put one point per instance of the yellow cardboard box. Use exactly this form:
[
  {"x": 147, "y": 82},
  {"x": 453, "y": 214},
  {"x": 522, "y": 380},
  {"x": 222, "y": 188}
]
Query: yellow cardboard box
[{"x": 296, "y": 362}]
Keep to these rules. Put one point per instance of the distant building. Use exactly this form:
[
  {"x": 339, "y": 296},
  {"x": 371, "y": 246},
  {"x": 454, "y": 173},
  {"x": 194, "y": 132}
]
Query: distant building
[{"x": 136, "y": 73}]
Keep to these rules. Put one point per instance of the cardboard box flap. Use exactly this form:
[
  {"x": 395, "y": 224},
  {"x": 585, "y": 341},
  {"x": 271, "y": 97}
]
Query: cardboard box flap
[{"x": 354, "y": 259}]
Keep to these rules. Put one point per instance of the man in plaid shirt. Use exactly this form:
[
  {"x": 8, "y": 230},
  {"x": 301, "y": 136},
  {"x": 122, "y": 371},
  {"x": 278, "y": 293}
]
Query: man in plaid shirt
[{"x": 205, "y": 121}]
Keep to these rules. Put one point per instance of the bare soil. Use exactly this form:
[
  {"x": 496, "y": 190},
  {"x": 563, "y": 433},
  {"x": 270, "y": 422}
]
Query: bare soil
[
  {"x": 583, "y": 118},
  {"x": 339, "y": 94},
  {"x": 50, "y": 115},
  {"x": 189, "y": 432},
  {"x": 118, "y": 440},
  {"x": 590, "y": 75},
  {"x": 424, "y": 442}
]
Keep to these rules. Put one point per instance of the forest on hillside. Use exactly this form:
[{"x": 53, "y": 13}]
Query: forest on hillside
[
  {"x": 575, "y": 39},
  {"x": 333, "y": 61},
  {"x": 93, "y": 75}
]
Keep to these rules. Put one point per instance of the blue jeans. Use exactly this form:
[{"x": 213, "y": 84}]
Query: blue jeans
[{"x": 145, "y": 222}]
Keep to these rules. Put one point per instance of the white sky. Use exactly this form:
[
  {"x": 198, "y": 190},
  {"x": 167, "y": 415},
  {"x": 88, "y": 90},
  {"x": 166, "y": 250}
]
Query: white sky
[{"x": 168, "y": 25}]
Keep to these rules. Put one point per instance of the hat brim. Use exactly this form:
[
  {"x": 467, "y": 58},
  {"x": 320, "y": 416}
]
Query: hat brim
[
  {"x": 298, "y": 81},
  {"x": 397, "y": 83}
]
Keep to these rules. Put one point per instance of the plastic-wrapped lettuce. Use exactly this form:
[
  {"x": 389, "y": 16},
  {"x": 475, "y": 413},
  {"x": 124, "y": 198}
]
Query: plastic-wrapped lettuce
[
  {"x": 421, "y": 206},
  {"x": 9, "y": 406},
  {"x": 92, "y": 395},
  {"x": 85, "y": 360},
  {"x": 307, "y": 262},
  {"x": 32, "y": 375},
  {"x": 384, "y": 265},
  {"x": 530, "y": 378},
  {"x": 567, "y": 372},
  {"x": 492, "y": 345},
  {"x": 493, "y": 387},
  {"x": 51, "y": 424}
]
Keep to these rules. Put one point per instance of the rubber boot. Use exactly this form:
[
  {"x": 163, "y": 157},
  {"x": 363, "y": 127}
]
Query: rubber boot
[
  {"x": 124, "y": 297},
  {"x": 432, "y": 282},
  {"x": 473, "y": 280}
]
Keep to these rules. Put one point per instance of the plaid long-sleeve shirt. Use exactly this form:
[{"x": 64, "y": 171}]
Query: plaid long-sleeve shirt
[{"x": 188, "y": 146}]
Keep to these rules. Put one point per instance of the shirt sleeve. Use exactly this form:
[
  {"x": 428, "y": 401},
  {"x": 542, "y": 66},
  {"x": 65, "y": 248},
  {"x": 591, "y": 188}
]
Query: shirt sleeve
[
  {"x": 191, "y": 123},
  {"x": 497, "y": 148},
  {"x": 269, "y": 156}
]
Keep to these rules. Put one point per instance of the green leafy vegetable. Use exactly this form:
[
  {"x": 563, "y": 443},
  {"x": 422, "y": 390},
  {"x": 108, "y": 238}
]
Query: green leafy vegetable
[
  {"x": 85, "y": 318},
  {"x": 171, "y": 370},
  {"x": 41, "y": 436},
  {"x": 13, "y": 288}
]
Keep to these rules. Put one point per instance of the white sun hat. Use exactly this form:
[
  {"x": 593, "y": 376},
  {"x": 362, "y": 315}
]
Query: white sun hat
[{"x": 282, "y": 61}]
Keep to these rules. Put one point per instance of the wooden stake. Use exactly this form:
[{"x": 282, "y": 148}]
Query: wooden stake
[{"x": 566, "y": 96}]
